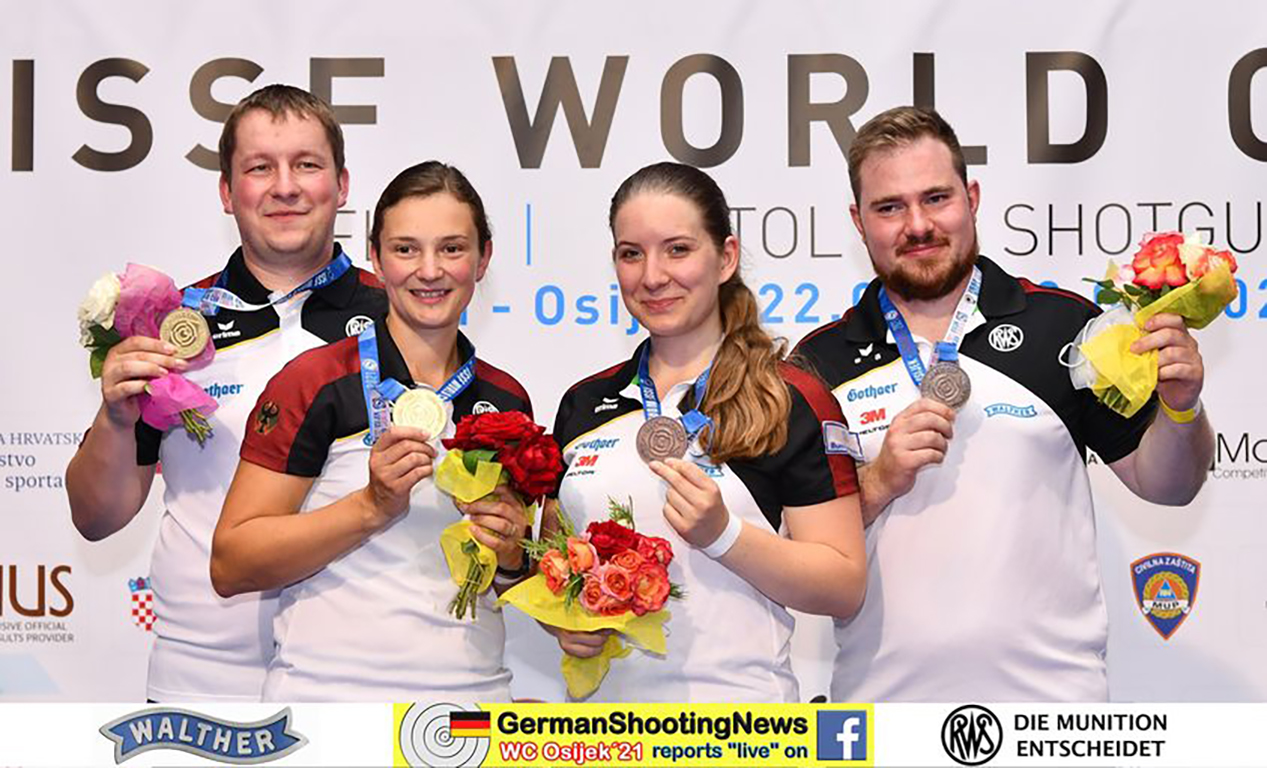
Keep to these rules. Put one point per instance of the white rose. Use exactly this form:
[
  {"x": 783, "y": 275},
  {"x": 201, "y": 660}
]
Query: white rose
[
  {"x": 1191, "y": 251},
  {"x": 98, "y": 306}
]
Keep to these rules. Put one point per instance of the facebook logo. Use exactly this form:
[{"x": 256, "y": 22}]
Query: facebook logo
[{"x": 842, "y": 734}]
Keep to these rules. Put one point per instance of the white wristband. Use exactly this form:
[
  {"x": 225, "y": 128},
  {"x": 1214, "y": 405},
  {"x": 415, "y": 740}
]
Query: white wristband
[{"x": 722, "y": 544}]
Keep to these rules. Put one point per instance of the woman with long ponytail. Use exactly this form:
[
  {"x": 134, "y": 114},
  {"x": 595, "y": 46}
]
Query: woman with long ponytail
[{"x": 760, "y": 507}]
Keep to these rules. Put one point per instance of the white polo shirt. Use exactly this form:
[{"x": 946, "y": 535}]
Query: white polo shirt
[
  {"x": 726, "y": 640},
  {"x": 208, "y": 648},
  {"x": 983, "y": 580},
  {"x": 374, "y": 625}
]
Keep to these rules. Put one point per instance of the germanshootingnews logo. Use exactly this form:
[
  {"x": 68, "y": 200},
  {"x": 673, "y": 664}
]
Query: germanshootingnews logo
[{"x": 842, "y": 734}]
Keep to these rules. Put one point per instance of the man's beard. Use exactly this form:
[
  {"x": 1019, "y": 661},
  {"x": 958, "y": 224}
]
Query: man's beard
[{"x": 913, "y": 281}]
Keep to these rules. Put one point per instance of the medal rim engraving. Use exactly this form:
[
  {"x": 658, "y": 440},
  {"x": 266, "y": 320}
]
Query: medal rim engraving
[
  {"x": 643, "y": 441},
  {"x": 202, "y": 334},
  {"x": 946, "y": 370},
  {"x": 441, "y": 407}
]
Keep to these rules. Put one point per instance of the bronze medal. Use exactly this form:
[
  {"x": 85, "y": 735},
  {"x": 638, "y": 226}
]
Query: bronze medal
[{"x": 661, "y": 438}]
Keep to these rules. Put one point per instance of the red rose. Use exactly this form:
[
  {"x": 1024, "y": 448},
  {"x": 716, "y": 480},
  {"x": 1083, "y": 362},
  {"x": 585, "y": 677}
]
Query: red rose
[
  {"x": 610, "y": 537},
  {"x": 655, "y": 548},
  {"x": 534, "y": 465},
  {"x": 554, "y": 566},
  {"x": 1158, "y": 263},
  {"x": 628, "y": 559},
  {"x": 650, "y": 588},
  {"x": 595, "y": 600},
  {"x": 581, "y": 555},
  {"x": 615, "y": 581},
  {"x": 491, "y": 430}
]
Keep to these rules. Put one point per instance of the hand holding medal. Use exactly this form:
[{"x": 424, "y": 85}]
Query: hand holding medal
[{"x": 422, "y": 409}]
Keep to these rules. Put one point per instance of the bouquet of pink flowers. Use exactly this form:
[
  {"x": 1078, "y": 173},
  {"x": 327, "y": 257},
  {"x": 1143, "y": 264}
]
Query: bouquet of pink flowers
[
  {"x": 1171, "y": 273},
  {"x": 608, "y": 577},
  {"x": 137, "y": 303}
]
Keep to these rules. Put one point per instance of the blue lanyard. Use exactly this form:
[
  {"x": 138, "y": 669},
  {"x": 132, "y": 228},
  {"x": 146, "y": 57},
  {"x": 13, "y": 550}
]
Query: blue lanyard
[
  {"x": 946, "y": 349},
  {"x": 379, "y": 392},
  {"x": 693, "y": 420},
  {"x": 209, "y": 301}
]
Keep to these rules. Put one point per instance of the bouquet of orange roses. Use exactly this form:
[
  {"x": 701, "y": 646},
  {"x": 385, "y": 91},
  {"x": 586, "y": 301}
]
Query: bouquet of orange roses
[
  {"x": 608, "y": 577},
  {"x": 1171, "y": 273}
]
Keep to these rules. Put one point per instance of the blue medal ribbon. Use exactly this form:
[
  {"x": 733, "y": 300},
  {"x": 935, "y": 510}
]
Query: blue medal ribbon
[
  {"x": 209, "y": 301},
  {"x": 379, "y": 392},
  {"x": 946, "y": 350},
  {"x": 693, "y": 421}
]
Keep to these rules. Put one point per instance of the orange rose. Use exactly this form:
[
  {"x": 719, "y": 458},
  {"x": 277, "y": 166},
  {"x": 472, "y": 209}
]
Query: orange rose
[
  {"x": 1158, "y": 263},
  {"x": 615, "y": 581},
  {"x": 1211, "y": 259},
  {"x": 595, "y": 600},
  {"x": 629, "y": 560},
  {"x": 650, "y": 588},
  {"x": 555, "y": 568},
  {"x": 581, "y": 555}
]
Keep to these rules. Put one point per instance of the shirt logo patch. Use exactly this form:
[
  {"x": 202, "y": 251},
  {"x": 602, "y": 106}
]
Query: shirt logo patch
[
  {"x": 1007, "y": 409},
  {"x": 226, "y": 331},
  {"x": 356, "y": 325},
  {"x": 608, "y": 404},
  {"x": 866, "y": 393},
  {"x": 483, "y": 406},
  {"x": 1006, "y": 338},
  {"x": 218, "y": 390},
  {"x": 864, "y": 353},
  {"x": 1165, "y": 589},
  {"x": 266, "y": 418},
  {"x": 839, "y": 441}
]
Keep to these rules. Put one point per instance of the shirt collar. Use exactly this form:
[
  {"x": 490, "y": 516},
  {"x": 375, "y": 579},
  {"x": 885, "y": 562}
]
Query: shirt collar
[
  {"x": 1001, "y": 294},
  {"x": 392, "y": 363},
  {"x": 241, "y": 281}
]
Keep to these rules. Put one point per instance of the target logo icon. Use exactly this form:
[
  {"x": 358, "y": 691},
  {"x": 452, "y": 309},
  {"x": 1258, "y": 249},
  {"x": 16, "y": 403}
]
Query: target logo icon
[{"x": 444, "y": 736}]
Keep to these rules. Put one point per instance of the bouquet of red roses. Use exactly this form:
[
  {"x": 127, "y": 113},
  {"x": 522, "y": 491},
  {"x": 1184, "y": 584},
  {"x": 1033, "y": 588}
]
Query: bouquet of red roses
[
  {"x": 145, "y": 302},
  {"x": 609, "y": 577},
  {"x": 1172, "y": 273},
  {"x": 490, "y": 449}
]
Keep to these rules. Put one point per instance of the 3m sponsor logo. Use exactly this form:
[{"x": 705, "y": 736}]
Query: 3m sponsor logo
[
  {"x": 1165, "y": 587},
  {"x": 870, "y": 417},
  {"x": 1007, "y": 409},
  {"x": 842, "y": 734},
  {"x": 208, "y": 737},
  {"x": 587, "y": 461},
  {"x": 971, "y": 735},
  {"x": 854, "y": 394},
  {"x": 442, "y": 734},
  {"x": 1239, "y": 457},
  {"x": 218, "y": 391}
]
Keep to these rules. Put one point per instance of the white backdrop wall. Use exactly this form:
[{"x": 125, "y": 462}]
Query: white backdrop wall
[{"x": 1090, "y": 124}]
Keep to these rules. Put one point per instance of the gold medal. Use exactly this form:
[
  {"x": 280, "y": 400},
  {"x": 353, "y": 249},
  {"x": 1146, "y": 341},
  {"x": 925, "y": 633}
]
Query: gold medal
[
  {"x": 186, "y": 330},
  {"x": 421, "y": 408}
]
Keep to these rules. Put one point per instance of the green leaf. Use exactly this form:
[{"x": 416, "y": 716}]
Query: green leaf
[
  {"x": 96, "y": 360},
  {"x": 566, "y": 526},
  {"x": 621, "y": 513},
  {"x": 572, "y": 592},
  {"x": 1133, "y": 290},
  {"x": 472, "y": 458},
  {"x": 104, "y": 337},
  {"x": 1108, "y": 297}
]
